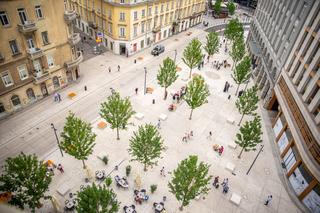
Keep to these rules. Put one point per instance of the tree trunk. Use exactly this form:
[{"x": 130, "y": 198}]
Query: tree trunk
[
  {"x": 181, "y": 207},
  {"x": 84, "y": 165},
  {"x": 240, "y": 119},
  {"x": 165, "y": 94},
  {"x": 190, "y": 73},
  {"x": 118, "y": 138},
  {"x": 145, "y": 168},
  {"x": 190, "y": 114},
  {"x": 237, "y": 89},
  {"x": 239, "y": 156}
]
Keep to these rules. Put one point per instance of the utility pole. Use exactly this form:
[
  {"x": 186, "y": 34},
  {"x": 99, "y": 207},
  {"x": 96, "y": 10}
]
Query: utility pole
[
  {"x": 261, "y": 149},
  {"x": 55, "y": 133},
  {"x": 145, "y": 80}
]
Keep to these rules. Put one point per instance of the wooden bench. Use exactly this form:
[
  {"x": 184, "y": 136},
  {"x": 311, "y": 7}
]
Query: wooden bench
[
  {"x": 230, "y": 167},
  {"x": 232, "y": 145},
  {"x": 139, "y": 116},
  {"x": 230, "y": 121},
  {"x": 235, "y": 198}
]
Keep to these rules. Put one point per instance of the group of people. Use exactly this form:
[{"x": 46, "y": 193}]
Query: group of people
[
  {"x": 217, "y": 64},
  {"x": 51, "y": 166},
  {"x": 226, "y": 86},
  {"x": 57, "y": 97},
  {"x": 224, "y": 184},
  {"x": 179, "y": 95},
  {"x": 187, "y": 136},
  {"x": 109, "y": 69}
]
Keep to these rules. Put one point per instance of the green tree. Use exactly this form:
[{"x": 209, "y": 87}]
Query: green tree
[
  {"x": 238, "y": 51},
  {"x": 212, "y": 45},
  {"x": 146, "y": 145},
  {"x": 77, "y": 138},
  {"x": 192, "y": 55},
  {"x": 117, "y": 112},
  {"x": 190, "y": 180},
  {"x": 197, "y": 92},
  {"x": 249, "y": 135},
  {"x": 25, "y": 178},
  {"x": 234, "y": 29},
  {"x": 167, "y": 74},
  {"x": 217, "y": 7},
  {"x": 247, "y": 102},
  {"x": 242, "y": 72},
  {"x": 231, "y": 7},
  {"x": 97, "y": 199}
]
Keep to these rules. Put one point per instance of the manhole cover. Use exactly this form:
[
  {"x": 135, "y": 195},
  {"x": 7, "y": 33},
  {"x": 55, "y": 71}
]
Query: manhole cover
[{"x": 212, "y": 75}]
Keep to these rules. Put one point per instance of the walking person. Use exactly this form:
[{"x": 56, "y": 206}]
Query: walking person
[
  {"x": 184, "y": 139},
  {"x": 136, "y": 90},
  {"x": 267, "y": 202},
  {"x": 191, "y": 133},
  {"x": 210, "y": 135},
  {"x": 221, "y": 150},
  {"x": 55, "y": 96},
  {"x": 109, "y": 69},
  {"x": 225, "y": 182},
  {"x": 225, "y": 189},
  {"x": 60, "y": 168},
  {"x": 118, "y": 68},
  {"x": 216, "y": 182},
  {"x": 159, "y": 124},
  {"x": 59, "y": 97}
]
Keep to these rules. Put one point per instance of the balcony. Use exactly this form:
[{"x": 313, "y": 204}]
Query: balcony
[
  {"x": 74, "y": 39},
  {"x": 74, "y": 62},
  {"x": 27, "y": 27},
  {"x": 93, "y": 25},
  {"x": 70, "y": 15},
  {"x": 156, "y": 29},
  {"x": 40, "y": 77},
  {"x": 35, "y": 53}
]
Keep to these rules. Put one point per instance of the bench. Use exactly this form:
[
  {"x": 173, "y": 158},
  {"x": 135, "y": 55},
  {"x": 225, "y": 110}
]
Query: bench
[
  {"x": 63, "y": 189},
  {"x": 230, "y": 167},
  {"x": 232, "y": 145},
  {"x": 163, "y": 117},
  {"x": 235, "y": 198},
  {"x": 230, "y": 121},
  {"x": 139, "y": 116}
]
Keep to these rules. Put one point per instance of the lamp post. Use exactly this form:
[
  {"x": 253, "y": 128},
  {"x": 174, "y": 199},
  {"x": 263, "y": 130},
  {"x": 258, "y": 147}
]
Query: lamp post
[
  {"x": 55, "y": 133},
  {"x": 175, "y": 55},
  {"x": 261, "y": 149},
  {"x": 145, "y": 80}
]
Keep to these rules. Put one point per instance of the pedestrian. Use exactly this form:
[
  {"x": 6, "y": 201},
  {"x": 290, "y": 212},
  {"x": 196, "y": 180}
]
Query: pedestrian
[
  {"x": 184, "y": 139},
  {"x": 202, "y": 64},
  {"x": 136, "y": 90},
  {"x": 178, "y": 98},
  {"x": 188, "y": 135},
  {"x": 221, "y": 150},
  {"x": 228, "y": 85},
  {"x": 199, "y": 66},
  {"x": 210, "y": 135},
  {"x": 216, "y": 182},
  {"x": 225, "y": 87},
  {"x": 225, "y": 182},
  {"x": 118, "y": 68},
  {"x": 153, "y": 101},
  {"x": 191, "y": 133},
  {"x": 109, "y": 69},
  {"x": 229, "y": 97},
  {"x": 240, "y": 93},
  {"x": 159, "y": 124},
  {"x": 162, "y": 173},
  {"x": 112, "y": 90},
  {"x": 60, "y": 168},
  {"x": 85, "y": 88},
  {"x": 59, "y": 97},
  {"x": 225, "y": 189},
  {"x": 55, "y": 96},
  {"x": 269, "y": 198}
]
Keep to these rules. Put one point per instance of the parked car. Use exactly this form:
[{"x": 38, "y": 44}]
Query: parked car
[{"x": 157, "y": 50}]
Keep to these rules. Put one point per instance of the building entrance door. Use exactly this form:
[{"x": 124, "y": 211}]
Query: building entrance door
[
  {"x": 44, "y": 89},
  {"x": 122, "y": 49}
]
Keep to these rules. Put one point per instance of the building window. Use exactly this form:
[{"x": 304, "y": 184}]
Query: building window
[
  {"x": 143, "y": 13},
  {"x": 50, "y": 61},
  {"x": 122, "y": 31},
  {"x": 15, "y": 100},
  {"x": 23, "y": 72},
  {"x": 150, "y": 11},
  {"x": 122, "y": 1},
  {"x": 4, "y": 18},
  {"x": 156, "y": 10},
  {"x": 14, "y": 47},
  {"x": 135, "y": 30},
  {"x": 22, "y": 15},
  {"x": 122, "y": 16},
  {"x": 45, "y": 38},
  {"x": 39, "y": 12},
  {"x": 135, "y": 15},
  {"x": 161, "y": 8},
  {"x": 6, "y": 79},
  {"x": 2, "y": 109},
  {"x": 142, "y": 27}
]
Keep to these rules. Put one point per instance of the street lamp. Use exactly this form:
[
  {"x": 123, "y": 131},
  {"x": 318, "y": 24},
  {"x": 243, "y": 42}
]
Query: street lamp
[
  {"x": 58, "y": 142},
  {"x": 261, "y": 149},
  {"x": 175, "y": 55},
  {"x": 145, "y": 80}
]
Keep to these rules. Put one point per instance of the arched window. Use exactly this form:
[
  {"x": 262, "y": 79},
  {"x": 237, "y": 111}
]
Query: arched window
[
  {"x": 30, "y": 94},
  {"x": 55, "y": 82},
  {"x": 2, "y": 109},
  {"x": 15, "y": 100}
]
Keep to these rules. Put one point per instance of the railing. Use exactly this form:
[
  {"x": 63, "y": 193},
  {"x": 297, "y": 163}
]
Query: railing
[
  {"x": 28, "y": 26},
  {"x": 70, "y": 15},
  {"x": 40, "y": 76},
  {"x": 34, "y": 53},
  {"x": 74, "y": 62},
  {"x": 74, "y": 38}
]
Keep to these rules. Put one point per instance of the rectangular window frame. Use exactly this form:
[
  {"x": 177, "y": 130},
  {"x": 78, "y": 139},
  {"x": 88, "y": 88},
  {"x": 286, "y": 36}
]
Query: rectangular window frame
[
  {"x": 23, "y": 72},
  {"x": 16, "y": 45},
  {"x": 39, "y": 13},
  {"x": 4, "y": 17},
  {"x": 45, "y": 38},
  {"x": 9, "y": 77}
]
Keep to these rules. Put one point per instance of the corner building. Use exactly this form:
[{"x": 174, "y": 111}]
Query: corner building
[
  {"x": 128, "y": 26},
  {"x": 37, "y": 51},
  {"x": 284, "y": 42}
]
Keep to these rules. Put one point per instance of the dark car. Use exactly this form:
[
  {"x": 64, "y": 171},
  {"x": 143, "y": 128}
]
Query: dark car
[{"x": 157, "y": 50}]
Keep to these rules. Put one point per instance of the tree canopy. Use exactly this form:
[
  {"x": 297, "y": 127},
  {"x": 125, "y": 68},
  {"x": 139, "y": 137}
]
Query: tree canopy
[
  {"x": 247, "y": 102},
  {"x": 234, "y": 29},
  {"x": 167, "y": 74},
  {"x": 26, "y": 180},
  {"x": 242, "y": 72},
  {"x": 217, "y": 7},
  {"x": 77, "y": 138},
  {"x": 231, "y": 7},
  {"x": 212, "y": 45},
  {"x": 117, "y": 112},
  {"x": 192, "y": 55}
]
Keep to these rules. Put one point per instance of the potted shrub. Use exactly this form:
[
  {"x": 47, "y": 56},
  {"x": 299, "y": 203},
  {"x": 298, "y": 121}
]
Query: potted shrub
[
  {"x": 153, "y": 188},
  {"x": 105, "y": 159},
  {"x": 128, "y": 170},
  {"x": 108, "y": 181}
]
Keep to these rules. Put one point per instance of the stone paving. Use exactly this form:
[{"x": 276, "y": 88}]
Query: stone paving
[{"x": 253, "y": 188}]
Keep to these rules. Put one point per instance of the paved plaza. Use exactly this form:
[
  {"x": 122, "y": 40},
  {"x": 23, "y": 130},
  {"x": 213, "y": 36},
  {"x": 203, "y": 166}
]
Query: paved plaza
[{"x": 30, "y": 131}]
